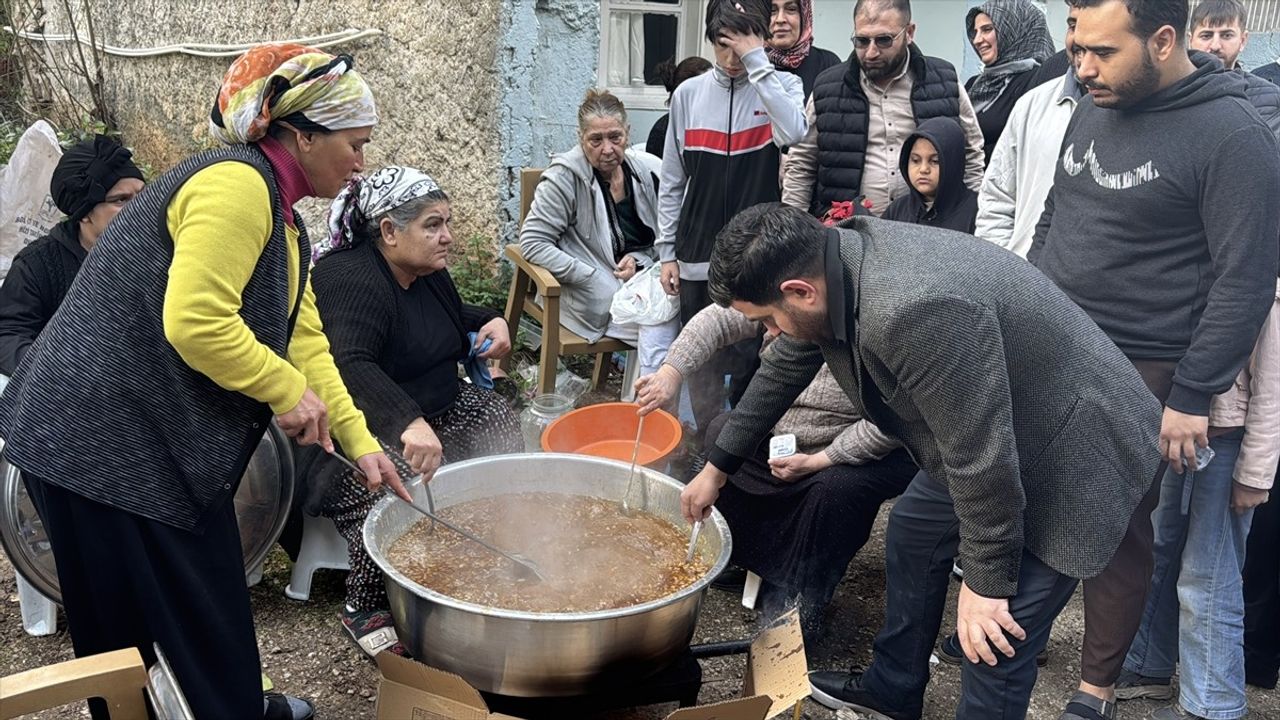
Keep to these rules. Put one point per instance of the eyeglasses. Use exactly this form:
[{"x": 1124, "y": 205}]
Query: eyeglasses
[{"x": 884, "y": 42}]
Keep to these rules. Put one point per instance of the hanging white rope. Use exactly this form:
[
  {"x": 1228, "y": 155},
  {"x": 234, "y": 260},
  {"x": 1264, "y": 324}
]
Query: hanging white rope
[{"x": 200, "y": 49}]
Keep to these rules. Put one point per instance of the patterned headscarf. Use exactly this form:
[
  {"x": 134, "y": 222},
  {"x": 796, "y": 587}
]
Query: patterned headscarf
[
  {"x": 1023, "y": 41},
  {"x": 309, "y": 88},
  {"x": 794, "y": 55},
  {"x": 366, "y": 198}
]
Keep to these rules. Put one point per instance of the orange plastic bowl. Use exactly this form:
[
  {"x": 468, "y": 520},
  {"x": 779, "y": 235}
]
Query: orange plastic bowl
[{"x": 608, "y": 430}]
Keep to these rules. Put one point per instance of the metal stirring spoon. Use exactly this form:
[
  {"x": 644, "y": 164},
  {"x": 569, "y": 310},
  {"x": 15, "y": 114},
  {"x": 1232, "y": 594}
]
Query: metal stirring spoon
[
  {"x": 693, "y": 540},
  {"x": 635, "y": 453},
  {"x": 523, "y": 565}
]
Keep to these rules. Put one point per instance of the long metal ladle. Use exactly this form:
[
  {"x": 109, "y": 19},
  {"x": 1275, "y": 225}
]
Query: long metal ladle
[
  {"x": 635, "y": 453},
  {"x": 524, "y": 566}
]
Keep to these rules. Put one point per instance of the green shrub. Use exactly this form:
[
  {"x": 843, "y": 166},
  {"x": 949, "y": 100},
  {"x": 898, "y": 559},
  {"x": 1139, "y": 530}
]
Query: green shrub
[
  {"x": 11, "y": 132},
  {"x": 482, "y": 278},
  {"x": 9, "y": 136}
]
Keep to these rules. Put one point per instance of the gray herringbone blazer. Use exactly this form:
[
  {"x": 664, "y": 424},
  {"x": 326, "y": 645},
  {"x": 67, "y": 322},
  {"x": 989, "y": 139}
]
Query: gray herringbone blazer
[{"x": 998, "y": 385}]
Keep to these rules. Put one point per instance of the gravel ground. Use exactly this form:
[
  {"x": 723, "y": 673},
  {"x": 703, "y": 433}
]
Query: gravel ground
[{"x": 305, "y": 652}]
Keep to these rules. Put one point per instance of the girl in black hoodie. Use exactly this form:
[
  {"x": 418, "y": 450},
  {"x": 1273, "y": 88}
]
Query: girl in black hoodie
[{"x": 932, "y": 160}]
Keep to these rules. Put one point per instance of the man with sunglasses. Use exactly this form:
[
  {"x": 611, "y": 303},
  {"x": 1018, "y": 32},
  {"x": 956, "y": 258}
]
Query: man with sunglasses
[{"x": 862, "y": 110}]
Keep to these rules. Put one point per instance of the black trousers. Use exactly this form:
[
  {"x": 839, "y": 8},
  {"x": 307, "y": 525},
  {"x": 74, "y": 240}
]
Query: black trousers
[
  {"x": 128, "y": 581},
  {"x": 922, "y": 538},
  {"x": 706, "y": 385},
  {"x": 1262, "y": 596},
  {"x": 800, "y": 536}
]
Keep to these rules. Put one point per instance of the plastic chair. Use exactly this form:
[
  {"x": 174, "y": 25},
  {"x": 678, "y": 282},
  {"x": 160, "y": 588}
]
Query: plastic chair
[
  {"x": 118, "y": 677},
  {"x": 39, "y": 613},
  {"x": 528, "y": 283},
  {"x": 322, "y": 547}
]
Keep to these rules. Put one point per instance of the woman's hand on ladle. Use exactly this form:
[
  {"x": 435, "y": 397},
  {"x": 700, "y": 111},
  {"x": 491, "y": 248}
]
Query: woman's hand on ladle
[
  {"x": 379, "y": 470},
  {"x": 422, "y": 449},
  {"x": 657, "y": 389}
]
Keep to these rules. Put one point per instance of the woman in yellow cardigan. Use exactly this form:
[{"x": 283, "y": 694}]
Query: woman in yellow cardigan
[{"x": 191, "y": 325}]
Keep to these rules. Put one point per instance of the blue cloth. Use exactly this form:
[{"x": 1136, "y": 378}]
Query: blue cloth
[
  {"x": 477, "y": 367},
  {"x": 1194, "y": 617}
]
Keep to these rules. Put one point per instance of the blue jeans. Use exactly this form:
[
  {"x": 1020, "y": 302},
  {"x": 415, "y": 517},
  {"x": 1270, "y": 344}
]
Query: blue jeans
[
  {"x": 1195, "y": 611},
  {"x": 922, "y": 538}
]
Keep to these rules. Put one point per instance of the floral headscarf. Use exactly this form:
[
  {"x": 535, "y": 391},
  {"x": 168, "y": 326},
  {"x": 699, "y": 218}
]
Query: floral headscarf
[
  {"x": 1023, "y": 40},
  {"x": 794, "y": 55},
  {"x": 307, "y": 87},
  {"x": 365, "y": 198}
]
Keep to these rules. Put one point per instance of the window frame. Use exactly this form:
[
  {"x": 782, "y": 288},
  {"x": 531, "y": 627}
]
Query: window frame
[{"x": 690, "y": 18}]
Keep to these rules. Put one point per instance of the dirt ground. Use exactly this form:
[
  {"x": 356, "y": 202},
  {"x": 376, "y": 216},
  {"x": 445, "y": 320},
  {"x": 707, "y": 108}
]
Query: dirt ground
[{"x": 305, "y": 653}]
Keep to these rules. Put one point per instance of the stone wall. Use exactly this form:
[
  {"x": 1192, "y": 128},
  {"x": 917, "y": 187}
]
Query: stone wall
[{"x": 432, "y": 71}]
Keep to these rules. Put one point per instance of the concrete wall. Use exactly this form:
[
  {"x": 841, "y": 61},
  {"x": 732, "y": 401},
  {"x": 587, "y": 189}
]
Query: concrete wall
[
  {"x": 432, "y": 72},
  {"x": 546, "y": 61},
  {"x": 1263, "y": 48}
]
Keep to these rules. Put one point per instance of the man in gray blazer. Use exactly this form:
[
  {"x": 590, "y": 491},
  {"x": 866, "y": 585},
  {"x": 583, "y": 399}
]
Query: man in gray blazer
[{"x": 1032, "y": 430}]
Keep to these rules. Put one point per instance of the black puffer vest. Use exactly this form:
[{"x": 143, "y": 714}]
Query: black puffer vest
[
  {"x": 104, "y": 406},
  {"x": 843, "y": 120}
]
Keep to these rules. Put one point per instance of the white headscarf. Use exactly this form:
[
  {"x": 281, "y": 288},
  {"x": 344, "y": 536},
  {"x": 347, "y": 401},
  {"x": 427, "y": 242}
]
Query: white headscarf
[{"x": 365, "y": 198}]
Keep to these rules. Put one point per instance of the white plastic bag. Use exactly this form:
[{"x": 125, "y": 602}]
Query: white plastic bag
[
  {"x": 26, "y": 210},
  {"x": 642, "y": 300}
]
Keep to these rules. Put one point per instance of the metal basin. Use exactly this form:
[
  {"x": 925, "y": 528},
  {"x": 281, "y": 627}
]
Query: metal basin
[
  {"x": 529, "y": 654},
  {"x": 262, "y": 505}
]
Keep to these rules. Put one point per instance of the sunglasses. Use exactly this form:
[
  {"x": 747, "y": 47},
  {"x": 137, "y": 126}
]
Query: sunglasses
[{"x": 884, "y": 42}]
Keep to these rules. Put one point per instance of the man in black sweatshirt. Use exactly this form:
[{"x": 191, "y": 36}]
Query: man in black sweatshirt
[{"x": 1163, "y": 225}]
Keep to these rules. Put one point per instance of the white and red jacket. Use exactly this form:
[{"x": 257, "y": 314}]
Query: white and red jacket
[{"x": 722, "y": 155}]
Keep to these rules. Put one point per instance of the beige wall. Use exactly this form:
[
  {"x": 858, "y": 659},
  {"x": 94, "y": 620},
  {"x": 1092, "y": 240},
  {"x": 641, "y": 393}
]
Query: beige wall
[{"x": 432, "y": 73}]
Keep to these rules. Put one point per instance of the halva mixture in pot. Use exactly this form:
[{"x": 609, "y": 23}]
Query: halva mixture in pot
[{"x": 593, "y": 556}]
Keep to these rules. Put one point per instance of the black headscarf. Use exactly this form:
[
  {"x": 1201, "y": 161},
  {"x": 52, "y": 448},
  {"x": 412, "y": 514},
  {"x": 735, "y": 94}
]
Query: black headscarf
[
  {"x": 86, "y": 173},
  {"x": 955, "y": 206}
]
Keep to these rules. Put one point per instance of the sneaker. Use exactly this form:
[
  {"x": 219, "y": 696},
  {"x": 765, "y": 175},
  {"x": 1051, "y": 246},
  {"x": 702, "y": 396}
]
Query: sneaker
[
  {"x": 1084, "y": 706},
  {"x": 950, "y": 653},
  {"x": 373, "y": 631},
  {"x": 841, "y": 690},
  {"x": 1132, "y": 686},
  {"x": 1173, "y": 712},
  {"x": 276, "y": 706}
]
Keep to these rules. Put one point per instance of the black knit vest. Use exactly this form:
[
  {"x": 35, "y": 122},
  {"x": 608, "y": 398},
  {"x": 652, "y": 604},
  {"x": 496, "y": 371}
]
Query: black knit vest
[
  {"x": 843, "y": 120},
  {"x": 103, "y": 405}
]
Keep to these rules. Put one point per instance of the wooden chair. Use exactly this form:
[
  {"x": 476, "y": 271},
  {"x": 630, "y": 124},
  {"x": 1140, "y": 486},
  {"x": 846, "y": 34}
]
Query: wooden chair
[
  {"x": 118, "y": 677},
  {"x": 527, "y": 283}
]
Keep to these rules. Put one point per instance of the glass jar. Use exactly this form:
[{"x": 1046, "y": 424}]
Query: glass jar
[{"x": 538, "y": 415}]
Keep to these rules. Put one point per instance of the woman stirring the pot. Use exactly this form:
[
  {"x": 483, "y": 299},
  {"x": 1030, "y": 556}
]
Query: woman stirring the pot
[
  {"x": 398, "y": 330},
  {"x": 191, "y": 324}
]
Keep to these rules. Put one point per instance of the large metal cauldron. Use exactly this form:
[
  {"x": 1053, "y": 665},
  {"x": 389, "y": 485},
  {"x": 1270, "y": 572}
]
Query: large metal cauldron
[
  {"x": 542, "y": 654},
  {"x": 262, "y": 505}
]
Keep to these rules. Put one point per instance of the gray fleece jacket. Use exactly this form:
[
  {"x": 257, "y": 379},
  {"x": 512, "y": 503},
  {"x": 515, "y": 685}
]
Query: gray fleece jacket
[{"x": 567, "y": 232}]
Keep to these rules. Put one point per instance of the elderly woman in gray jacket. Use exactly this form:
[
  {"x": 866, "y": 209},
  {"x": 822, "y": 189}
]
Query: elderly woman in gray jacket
[{"x": 592, "y": 225}]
